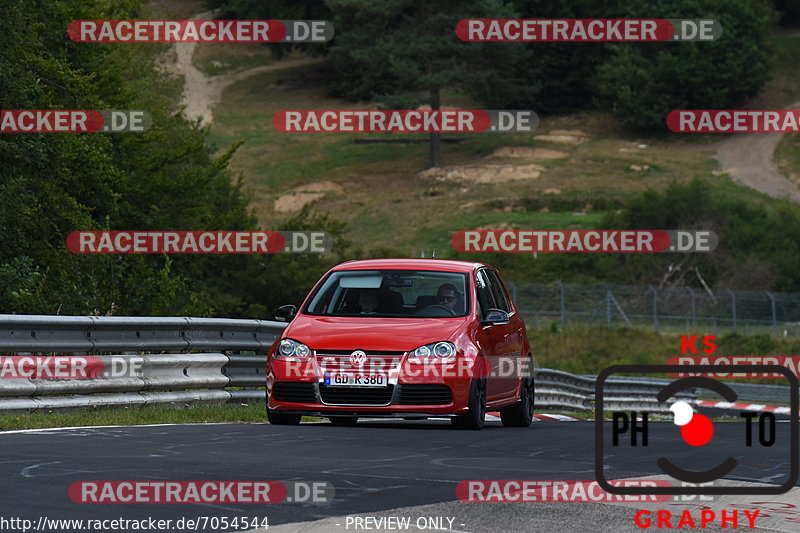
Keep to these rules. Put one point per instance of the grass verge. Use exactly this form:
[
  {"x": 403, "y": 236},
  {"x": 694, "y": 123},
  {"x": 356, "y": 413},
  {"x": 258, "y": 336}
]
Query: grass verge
[
  {"x": 585, "y": 350},
  {"x": 129, "y": 417}
]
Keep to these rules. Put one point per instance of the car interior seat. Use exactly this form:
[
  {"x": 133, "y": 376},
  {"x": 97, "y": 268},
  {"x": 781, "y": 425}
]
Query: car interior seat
[
  {"x": 425, "y": 301},
  {"x": 390, "y": 302}
]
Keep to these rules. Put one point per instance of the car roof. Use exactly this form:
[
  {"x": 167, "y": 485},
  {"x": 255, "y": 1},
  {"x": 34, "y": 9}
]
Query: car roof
[{"x": 443, "y": 265}]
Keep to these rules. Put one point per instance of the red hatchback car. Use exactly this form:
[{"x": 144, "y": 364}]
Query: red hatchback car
[{"x": 409, "y": 338}]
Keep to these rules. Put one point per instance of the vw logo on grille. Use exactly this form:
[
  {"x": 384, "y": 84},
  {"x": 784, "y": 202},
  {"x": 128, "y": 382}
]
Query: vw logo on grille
[{"x": 358, "y": 358}]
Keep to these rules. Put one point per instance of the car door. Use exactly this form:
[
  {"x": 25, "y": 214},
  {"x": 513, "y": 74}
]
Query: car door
[
  {"x": 494, "y": 338},
  {"x": 514, "y": 335}
]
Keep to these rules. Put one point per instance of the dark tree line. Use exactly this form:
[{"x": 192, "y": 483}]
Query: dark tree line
[
  {"x": 164, "y": 179},
  {"x": 405, "y": 52}
]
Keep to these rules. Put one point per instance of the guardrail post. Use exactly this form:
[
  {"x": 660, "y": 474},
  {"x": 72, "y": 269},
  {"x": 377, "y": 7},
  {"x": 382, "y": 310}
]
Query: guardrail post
[
  {"x": 608, "y": 308},
  {"x": 655, "y": 308},
  {"x": 774, "y": 314},
  {"x": 733, "y": 308},
  {"x": 694, "y": 307}
]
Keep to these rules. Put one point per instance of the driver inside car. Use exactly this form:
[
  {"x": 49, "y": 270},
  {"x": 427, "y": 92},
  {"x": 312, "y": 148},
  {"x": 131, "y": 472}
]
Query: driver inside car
[{"x": 447, "y": 296}]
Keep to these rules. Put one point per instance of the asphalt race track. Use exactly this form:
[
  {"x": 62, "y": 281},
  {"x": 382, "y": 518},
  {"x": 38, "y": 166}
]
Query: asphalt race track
[{"x": 396, "y": 468}]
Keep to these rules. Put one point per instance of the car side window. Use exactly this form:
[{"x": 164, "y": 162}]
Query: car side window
[
  {"x": 483, "y": 290},
  {"x": 499, "y": 293}
]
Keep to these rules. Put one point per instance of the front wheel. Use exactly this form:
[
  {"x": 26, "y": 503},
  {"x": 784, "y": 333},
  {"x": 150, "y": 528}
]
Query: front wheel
[
  {"x": 476, "y": 415},
  {"x": 520, "y": 414}
]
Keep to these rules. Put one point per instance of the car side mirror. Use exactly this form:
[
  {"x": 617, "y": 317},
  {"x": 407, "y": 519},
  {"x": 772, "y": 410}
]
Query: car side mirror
[
  {"x": 285, "y": 313},
  {"x": 495, "y": 317}
]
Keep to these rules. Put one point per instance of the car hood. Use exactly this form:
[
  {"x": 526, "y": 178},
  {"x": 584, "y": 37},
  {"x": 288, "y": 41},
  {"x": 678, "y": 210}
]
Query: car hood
[{"x": 379, "y": 334}]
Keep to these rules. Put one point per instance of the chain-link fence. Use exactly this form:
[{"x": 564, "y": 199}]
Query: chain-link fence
[{"x": 677, "y": 309}]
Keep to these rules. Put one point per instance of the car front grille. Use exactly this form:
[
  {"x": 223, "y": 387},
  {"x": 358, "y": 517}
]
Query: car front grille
[
  {"x": 339, "y": 361},
  {"x": 421, "y": 394},
  {"x": 294, "y": 392},
  {"x": 356, "y": 395}
]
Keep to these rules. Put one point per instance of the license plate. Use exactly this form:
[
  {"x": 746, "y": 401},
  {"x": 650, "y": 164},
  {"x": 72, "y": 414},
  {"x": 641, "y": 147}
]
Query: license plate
[{"x": 351, "y": 379}]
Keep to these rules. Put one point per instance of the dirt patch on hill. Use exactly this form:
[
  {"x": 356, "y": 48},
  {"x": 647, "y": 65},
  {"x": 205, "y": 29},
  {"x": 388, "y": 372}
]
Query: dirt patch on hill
[
  {"x": 319, "y": 186},
  {"x": 573, "y": 133},
  {"x": 528, "y": 152},
  {"x": 558, "y": 138},
  {"x": 483, "y": 173},
  {"x": 202, "y": 92},
  {"x": 305, "y": 193},
  {"x": 295, "y": 201}
]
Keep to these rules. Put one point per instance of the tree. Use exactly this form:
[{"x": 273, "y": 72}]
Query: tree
[
  {"x": 287, "y": 278},
  {"x": 642, "y": 82},
  {"x": 789, "y": 10},
  {"x": 54, "y": 183},
  {"x": 277, "y": 10},
  {"x": 405, "y": 52},
  {"x": 549, "y": 77}
]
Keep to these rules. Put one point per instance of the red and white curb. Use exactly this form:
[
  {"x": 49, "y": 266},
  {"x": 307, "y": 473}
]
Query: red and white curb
[
  {"x": 744, "y": 406},
  {"x": 541, "y": 418}
]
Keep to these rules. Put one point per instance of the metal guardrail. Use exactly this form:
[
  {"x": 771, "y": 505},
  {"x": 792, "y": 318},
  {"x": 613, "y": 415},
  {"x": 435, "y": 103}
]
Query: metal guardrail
[
  {"x": 213, "y": 377},
  {"x": 562, "y": 390},
  {"x": 79, "y": 334},
  {"x": 160, "y": 379}
]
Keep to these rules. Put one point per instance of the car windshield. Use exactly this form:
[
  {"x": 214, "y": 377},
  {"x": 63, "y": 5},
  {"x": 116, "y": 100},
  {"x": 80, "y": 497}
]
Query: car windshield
[{"x": 391, "y": 293}]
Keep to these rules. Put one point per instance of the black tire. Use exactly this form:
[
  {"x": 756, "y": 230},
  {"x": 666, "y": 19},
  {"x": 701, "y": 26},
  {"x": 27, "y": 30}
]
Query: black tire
[
  {"x": 283, "y": 419},
  {"x": 476, "y": 416},
  {"x": 343, "y": 420},
  {"x": 520, "y": 414}
]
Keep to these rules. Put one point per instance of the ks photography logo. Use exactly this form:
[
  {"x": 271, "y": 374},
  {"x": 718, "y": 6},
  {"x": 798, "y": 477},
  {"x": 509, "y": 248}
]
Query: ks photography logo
[{"x": 742, "y": 443}]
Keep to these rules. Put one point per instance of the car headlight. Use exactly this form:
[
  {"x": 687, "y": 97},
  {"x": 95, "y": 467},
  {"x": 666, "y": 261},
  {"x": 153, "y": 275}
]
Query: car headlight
[
  {"x": 435, "y": 352},
  {"x": 292, "y": 348}
]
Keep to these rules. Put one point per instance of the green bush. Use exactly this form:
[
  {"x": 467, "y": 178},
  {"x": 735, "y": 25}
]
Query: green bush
[{"x": 758, "y": 245}]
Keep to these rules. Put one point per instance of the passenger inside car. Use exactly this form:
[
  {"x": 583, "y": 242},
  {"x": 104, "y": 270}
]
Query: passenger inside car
[
  {"x": 391, "y": 302},
  {"x": 368, "y": 301}
]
